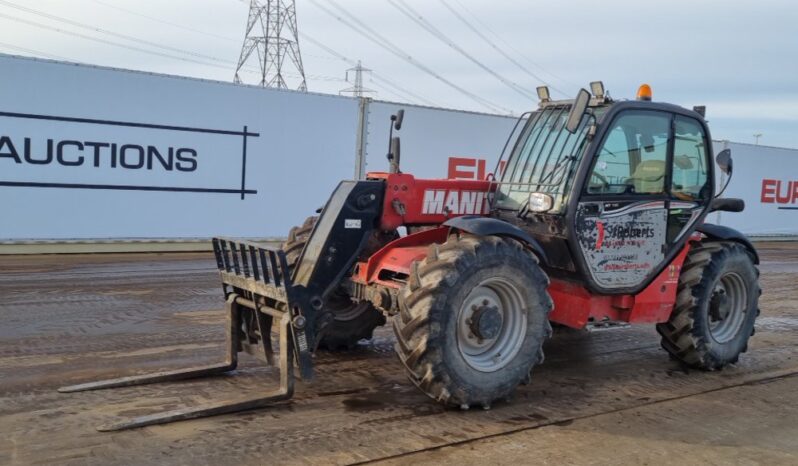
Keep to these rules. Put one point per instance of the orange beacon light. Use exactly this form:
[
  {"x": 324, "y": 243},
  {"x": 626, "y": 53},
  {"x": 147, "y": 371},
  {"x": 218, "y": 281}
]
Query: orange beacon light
[{"x": 644, "y": 92}]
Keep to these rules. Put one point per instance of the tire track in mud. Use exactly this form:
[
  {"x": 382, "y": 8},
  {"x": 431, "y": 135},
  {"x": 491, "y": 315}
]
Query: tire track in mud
[
  {"x": 360, "y": 408},
  {"x": 568, "y": 421},
  {"x": 388, "y": 409}
]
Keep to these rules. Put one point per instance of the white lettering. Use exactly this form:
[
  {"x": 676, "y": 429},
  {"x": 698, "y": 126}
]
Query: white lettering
[
  {"x": 452, "y": 201},
  {"x": 440, "y": 201},
  {"x": 433, "y": 201},
  {"x": 468, "y": 202}
]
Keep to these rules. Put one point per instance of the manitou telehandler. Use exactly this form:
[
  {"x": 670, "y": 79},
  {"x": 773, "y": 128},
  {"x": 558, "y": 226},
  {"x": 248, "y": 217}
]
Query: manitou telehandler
[{"x": 596, "y": 218}]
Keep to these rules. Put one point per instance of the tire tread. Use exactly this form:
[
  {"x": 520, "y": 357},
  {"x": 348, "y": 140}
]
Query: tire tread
[
  {"x": 681, "y": 337},
  {"x": 426, "y": 294}
]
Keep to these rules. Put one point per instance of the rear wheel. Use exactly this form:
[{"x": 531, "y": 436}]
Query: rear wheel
[
  {"x": 716, "y": 306},
  {"x": 473, "y": 318},
  {"x": 352, "y": 321}
]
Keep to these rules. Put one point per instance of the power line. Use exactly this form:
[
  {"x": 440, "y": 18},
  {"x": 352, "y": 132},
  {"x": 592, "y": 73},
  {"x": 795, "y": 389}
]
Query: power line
[
  {"x": 398, "y": 91},
  {"x": 106, "y": 42},
  {"x": 180, "y": 26},
  {"x": 416, "y": 17},
  {"x": 490, "y": 42},
  {"x": 153, "y": 44},
  {"x": 511, "y": 46},
  {"x": 382, "y": 42},
  {"x": 374, "y": 75},
  {"x": 227, "y": 66},
  {"x": 396, "y": 94},
  {"x": 111, "y": 33},
  {"x": 163, "y": 21},
  {"x": 34, "y": 52},
  {"x": 334, "y": 55}
]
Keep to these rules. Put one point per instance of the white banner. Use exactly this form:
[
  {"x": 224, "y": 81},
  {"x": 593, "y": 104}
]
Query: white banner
[
  {"x": 97, "y": 153},
  {"x": 431, "y": 136},
  {"x": 766, "y": 178}
]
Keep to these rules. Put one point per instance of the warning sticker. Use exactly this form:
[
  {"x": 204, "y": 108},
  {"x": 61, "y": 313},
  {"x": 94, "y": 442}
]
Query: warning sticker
[{"x": 352, "y": 223}]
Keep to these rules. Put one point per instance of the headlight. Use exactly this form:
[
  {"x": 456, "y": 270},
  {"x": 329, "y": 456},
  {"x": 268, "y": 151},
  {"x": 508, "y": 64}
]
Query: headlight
[{"x": 540, "y": 202}]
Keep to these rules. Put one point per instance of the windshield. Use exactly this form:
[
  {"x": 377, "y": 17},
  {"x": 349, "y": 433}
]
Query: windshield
[{"x": 543, "y": 158}]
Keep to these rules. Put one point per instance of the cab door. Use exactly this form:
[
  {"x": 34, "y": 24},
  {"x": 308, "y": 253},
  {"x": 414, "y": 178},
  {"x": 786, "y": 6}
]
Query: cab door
[
  {"x": 690, "y": 187},
  {"x": 622, "y": 217}
]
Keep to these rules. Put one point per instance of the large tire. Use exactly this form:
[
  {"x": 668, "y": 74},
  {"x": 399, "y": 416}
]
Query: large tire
[
  {"x": 351, "y": 322},
  {"x": 716, "y": 306},
  {"x": 447, "y": 357}
]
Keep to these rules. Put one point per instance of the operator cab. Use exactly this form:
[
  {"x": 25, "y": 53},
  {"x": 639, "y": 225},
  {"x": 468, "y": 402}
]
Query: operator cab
[{"x": 612, "y": 188}]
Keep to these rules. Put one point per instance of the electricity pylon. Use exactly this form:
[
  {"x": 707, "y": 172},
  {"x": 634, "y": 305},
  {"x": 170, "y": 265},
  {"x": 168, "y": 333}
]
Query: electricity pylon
[
  {"x": 357, "y": 90},
  {"x": 272, "y": 38}
]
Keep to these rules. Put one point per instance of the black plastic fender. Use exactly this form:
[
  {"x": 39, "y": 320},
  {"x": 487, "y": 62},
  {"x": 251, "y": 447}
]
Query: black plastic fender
[
  {"x": 485, "y": 226},
  {"x": 728, "y": 234}
]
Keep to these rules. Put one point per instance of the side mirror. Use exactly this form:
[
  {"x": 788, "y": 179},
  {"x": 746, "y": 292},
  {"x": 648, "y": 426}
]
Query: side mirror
[
  {"x": 393, "y": 142},
  {"x": 397, "y": 119},
  {"x": 577, "y": 110},
  {"x": 724, "y": 161}
]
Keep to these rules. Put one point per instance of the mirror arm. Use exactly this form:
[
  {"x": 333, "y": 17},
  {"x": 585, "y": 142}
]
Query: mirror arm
[
  {"x": 593, "y": 129},
  {"x": 393, "y": 142},
  {"x": 725, "y": 163},
  {"x": 725, "y": 185}
]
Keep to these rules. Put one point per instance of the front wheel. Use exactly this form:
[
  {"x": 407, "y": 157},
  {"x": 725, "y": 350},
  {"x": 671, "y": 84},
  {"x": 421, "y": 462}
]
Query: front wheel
[
  {"x": 716, "y": 305},
  {"x": 351, "y": 321},
  {"x": 473, "y": 318}
]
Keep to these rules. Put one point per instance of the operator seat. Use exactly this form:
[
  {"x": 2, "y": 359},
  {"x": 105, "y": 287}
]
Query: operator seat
[{"x": 649, "y": 177}]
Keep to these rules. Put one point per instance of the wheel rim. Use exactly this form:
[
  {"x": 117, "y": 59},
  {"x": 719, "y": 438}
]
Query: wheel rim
[
  {"x": 727, "y": 307},
  {"x": 343, "y": 309},
  {"x": 491, "y": 325}
]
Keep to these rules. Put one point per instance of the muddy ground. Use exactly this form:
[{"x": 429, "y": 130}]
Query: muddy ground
[{"x": 603, "y": 397}]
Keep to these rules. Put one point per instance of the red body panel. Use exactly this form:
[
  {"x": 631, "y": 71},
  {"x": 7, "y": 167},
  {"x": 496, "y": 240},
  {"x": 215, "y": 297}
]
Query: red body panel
[
  {"x": 397, "y": 256},
  {"x": 575, "y": 306},
  {"x": 411, "y": 201}
]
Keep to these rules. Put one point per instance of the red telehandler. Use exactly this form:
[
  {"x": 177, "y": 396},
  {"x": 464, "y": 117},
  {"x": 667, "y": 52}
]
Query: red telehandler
[{"x": 597, "y": 218}]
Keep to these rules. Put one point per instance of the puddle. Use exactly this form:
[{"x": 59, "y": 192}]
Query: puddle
[{"x": 370, "y": 402}]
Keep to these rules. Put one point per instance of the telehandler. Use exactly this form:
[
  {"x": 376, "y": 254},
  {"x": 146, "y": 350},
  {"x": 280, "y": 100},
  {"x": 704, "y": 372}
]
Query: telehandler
[{"x": 596, "y": 219}]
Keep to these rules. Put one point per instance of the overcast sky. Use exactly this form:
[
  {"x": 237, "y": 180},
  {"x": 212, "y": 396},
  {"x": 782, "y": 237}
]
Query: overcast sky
[{"x": 738, "y": 58}]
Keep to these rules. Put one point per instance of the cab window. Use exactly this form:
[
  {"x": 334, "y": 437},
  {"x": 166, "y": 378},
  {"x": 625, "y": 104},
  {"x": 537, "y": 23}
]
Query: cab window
[
  {"x": 633, "y": 156},
  {"x": 690, "y": 161}
]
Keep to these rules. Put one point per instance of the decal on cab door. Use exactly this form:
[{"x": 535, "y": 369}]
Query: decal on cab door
[{"x": 621, "y": 241}]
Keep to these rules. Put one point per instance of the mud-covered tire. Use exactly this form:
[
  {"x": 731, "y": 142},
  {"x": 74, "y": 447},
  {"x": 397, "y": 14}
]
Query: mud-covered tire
[
  {"x": 427, "y": 326},
  {"x": 352, "y": 322},
  {"x": 297, "y": 237},
  {"x": 715, "y": 277}
]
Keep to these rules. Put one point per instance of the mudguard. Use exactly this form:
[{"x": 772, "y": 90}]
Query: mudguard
[
  {"x": 728, "y": 234},
  {"x": 484, "y": 226}
]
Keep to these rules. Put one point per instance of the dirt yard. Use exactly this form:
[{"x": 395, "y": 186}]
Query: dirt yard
[{"x": 602, "y": 397}]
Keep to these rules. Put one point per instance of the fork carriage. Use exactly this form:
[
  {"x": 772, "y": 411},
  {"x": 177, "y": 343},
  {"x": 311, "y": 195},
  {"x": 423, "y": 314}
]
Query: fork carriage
[{"x": 258, "y": 290}]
